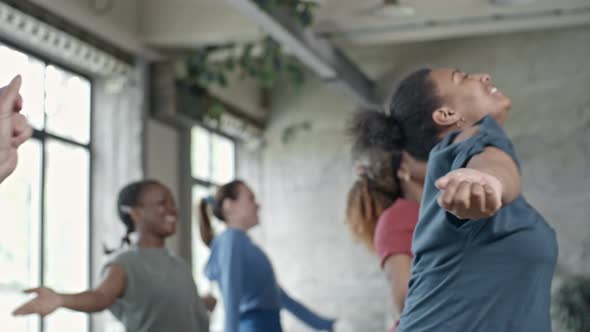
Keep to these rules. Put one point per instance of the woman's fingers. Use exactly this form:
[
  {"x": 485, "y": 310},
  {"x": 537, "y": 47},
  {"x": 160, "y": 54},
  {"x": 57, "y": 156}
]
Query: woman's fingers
[
  {"x": 462, "y": 199},
  {"x": 447, "y": 195}
]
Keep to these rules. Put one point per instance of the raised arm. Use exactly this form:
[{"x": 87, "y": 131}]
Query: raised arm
[{"x": 98, "y": 299}]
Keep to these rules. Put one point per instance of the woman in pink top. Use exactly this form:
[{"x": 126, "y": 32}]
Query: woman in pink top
[{"x": 383, "y": 206}]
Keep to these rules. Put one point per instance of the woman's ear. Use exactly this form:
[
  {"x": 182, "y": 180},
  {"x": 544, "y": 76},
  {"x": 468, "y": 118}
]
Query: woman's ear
[
  {"x": 446, "y": 117},
  {"x": 227, "y": 206},
  {"x": 403, "y": 172},
  {"x": 416, "y": 167},
  {"x": 136, "y": 214}
]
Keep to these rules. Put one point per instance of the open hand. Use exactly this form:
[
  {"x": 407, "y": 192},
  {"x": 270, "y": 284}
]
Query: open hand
[
  {"x": 46, "y": 302},
  {"x": 470, "y": 194}
]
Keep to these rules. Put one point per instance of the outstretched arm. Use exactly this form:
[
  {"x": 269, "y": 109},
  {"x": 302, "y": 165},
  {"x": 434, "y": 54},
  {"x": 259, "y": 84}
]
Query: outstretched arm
[
  {"x": 304, "y": 314},
  {"x": 490, "y": 181},
  {"x": 98, "y": 299}
]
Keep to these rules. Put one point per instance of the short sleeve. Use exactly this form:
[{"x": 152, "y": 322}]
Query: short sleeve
[
  {"x": 395, "y": 229},
  {"x": 126, "y": 261},
  {"x": 490, "y": 134}
]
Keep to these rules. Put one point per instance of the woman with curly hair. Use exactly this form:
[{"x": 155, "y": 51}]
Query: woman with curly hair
[{"x": 383, "y": 205}]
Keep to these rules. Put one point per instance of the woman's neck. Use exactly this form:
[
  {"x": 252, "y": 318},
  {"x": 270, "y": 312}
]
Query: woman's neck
[
  {"x": 238, "y": 227},
  {"x": 412, "y": 190},
  {"x": 150, "y": 241}
]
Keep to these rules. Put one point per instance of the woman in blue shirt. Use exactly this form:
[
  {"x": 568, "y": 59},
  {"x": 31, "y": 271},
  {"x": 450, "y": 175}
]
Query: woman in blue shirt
[
  {"x": 483, "y": 257},
  {"x": 250, "y": 293}
]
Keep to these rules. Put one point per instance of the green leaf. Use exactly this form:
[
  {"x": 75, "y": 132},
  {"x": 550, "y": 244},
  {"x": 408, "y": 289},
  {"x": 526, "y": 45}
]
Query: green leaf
[
  {"x": 222, "y": 79},
  {"x": 216, "y": 110},
  {"x": 230, "y": 63}
]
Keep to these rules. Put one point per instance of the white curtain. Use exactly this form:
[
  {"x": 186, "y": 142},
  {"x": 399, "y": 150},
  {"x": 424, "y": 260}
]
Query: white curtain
[{"x": 118, "y": 126}]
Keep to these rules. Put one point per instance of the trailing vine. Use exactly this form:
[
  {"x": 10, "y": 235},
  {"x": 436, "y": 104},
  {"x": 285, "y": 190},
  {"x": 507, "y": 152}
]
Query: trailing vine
[
  {"x": 572, "y": 304},
  {"x": 300, "y": 10},
  {"x": 271, "y": 62},
  {"x": 266, "y": 67},
  {"x": 264, "y": 61}
]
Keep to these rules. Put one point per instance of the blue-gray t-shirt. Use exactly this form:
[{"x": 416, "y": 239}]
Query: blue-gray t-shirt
[{"x": 492, "y": 274}]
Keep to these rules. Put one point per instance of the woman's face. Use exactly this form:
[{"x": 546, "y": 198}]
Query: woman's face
[
  {"x": 157, "y": 211},
  {"x": 470, "y": 96},
  {"x": 243, "y": 210}
]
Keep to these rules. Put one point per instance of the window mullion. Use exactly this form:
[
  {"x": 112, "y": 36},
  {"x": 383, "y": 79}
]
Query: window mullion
[
  {"x": 210, "y": 146},
  {"x": 42, "y": 198}
]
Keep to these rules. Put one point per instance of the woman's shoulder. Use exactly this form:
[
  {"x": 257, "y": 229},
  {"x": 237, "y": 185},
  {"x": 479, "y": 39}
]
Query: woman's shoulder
[
  {"x": 232, "y": 234},
  {"x": 401, "y": 215},
  {"x": 229, "y": 236},
  {"x": 125, "y": 254}
]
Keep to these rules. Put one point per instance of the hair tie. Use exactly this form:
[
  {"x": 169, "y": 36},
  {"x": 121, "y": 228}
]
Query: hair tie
[
  {"x": 210, "y": 200},
  {"x": 399, "y": 125},
  {"x": 125, "y": 209}
]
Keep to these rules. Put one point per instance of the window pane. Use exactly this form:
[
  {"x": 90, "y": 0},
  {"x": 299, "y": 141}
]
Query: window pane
[
  {"x": 200, "y": 158},
  {"x": 32, "y": 71},
  {"x": 66, "y": 247},
  {"x": 223, "y": 159},
  {"x": 19, "y": 247},
  {"x": 67, "y": 104}
]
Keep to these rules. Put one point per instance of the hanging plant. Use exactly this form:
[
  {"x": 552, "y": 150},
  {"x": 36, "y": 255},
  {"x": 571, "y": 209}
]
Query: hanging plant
[
  {"x": 267, "y": 67},
  {"x": 264, "y": 61},
  {"x": 572, "y": 304},
  {"x": 300, "y": 10}
]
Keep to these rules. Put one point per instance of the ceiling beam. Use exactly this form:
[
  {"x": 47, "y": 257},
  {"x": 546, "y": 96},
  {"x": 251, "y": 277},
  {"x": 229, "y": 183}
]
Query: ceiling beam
[
  {"x": 457, "y": 27},
  {"x": 317, "y": 53}
]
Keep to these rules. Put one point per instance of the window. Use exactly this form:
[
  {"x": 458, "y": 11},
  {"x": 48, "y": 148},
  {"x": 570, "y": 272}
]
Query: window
[
  {"x": 212, "y": 164},
  {"x": 45, "y": 203}
]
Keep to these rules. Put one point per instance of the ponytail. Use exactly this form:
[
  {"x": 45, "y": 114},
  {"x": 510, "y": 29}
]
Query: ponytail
[
  {"x": 205, "y": 227},
  {"x": 126, "y": 240},
  {"x": 364, "y": 206},
  {"x": 374, "y": 130},
  {"x": 376, "y": 188}
]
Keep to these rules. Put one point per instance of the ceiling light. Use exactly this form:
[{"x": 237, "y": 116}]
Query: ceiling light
[
  {"x": 393, "y": 8},
  {"x": 511, "y": 2},
  {"x": 388, "y": 9}
]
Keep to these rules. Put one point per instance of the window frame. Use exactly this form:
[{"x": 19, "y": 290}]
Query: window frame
[
  {"x": 208, "y": 184},
  {"x": 42, "y": 136}
]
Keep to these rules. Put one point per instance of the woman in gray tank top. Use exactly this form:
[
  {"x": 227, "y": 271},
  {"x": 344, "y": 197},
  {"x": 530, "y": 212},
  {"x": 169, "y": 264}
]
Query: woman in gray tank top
[{"x": 145, "y": 287}]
